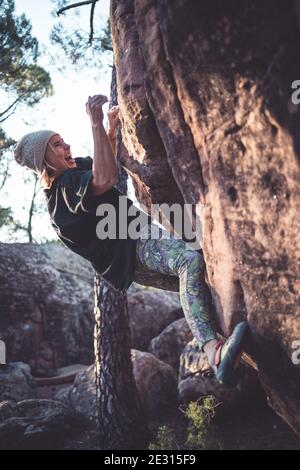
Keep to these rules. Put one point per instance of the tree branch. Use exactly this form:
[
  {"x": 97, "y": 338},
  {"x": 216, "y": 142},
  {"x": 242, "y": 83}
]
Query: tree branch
[
  {"x": 13, "y": 104},
  {"x": 92, "y": 22},
  {"x": 6, "y": 117},
  {"x": 74, "y": 5}
]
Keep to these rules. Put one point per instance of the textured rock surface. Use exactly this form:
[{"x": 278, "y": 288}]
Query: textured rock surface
[
  {"x": 205, "y": 95},
  {"x": 37, "y": 424},
  {"x": 46, "y": 305},
  {"x": 156, "y": 383},
  {"x": 194, "y": 382},
  {"x": 149, "y": 313},
  {"x": 169, "y": 344},
  {"x": 16, "y": 382},
  {"x": 81, "y": 396}
]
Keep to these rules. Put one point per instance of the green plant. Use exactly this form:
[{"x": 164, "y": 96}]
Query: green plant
[
  {"x": 200, "y": 428},
  {"x": 165, "y": 439},
  {"x": 200, "y": 431}
]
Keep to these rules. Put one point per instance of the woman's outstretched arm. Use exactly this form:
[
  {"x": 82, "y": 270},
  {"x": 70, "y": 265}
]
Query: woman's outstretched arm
[{"x": 104, "y": 161}]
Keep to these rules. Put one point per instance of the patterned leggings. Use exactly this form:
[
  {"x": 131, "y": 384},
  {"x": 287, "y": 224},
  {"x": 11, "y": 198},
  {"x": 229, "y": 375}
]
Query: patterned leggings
[{"x": 172, "y": 256}]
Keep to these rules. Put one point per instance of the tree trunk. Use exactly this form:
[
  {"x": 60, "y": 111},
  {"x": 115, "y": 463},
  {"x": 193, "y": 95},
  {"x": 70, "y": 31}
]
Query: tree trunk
[{"x": 120, "y": 415}]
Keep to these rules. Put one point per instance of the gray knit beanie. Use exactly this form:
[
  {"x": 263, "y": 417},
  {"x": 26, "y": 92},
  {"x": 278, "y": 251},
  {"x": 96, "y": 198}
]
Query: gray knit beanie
[{"x": 30, "y": 149}]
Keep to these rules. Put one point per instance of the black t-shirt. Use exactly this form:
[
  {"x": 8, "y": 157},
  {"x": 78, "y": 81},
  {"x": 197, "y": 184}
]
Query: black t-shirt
[{"x": 73, "y": 216}]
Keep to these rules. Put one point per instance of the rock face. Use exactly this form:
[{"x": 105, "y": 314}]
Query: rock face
[
  {"x": 205, "y": 95},
  {"x": 46, "y": 305},
  {"x": 37, "y": 424}
]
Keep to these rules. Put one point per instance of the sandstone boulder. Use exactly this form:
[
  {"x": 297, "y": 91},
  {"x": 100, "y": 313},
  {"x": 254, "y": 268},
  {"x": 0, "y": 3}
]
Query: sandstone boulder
[
  {"x": 156, "y": 384},
  {"x": 46, "y": 306},
  {"x": 150, "y": 311},
  {"x": 205, "y": 95},
  {"x": 169, "y": 344}
]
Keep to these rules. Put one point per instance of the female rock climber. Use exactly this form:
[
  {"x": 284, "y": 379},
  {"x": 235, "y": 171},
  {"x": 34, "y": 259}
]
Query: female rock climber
[{"x": 75, "y": 187}]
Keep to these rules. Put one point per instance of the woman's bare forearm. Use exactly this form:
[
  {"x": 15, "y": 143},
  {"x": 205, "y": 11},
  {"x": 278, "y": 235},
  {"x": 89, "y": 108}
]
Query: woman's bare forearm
[
  {"x": 112, "y": 135},
  {"x": 105, "y": 168}
]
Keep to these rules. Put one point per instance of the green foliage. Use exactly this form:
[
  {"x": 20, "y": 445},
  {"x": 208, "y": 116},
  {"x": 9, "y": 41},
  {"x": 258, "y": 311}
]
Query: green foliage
[
  {"x": 5, "y": 216},
  {"x": 22, "y": 82},
  {"x": 200, "y": 429},
  {"x": 21, "y": 77},
  {"x": 5, "y": 144},
  {"x": 106, "y": 39},
  {"x": 166, "y": 439},
  {"x": 5, "y": 141}
]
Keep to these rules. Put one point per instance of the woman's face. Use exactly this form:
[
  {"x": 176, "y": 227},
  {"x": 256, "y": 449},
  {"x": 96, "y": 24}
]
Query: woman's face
[{"x": 58, "y": 154}]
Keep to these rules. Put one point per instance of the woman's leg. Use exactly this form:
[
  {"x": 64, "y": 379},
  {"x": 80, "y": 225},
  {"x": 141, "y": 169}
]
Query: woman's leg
[{"x": 172, "y": 256}]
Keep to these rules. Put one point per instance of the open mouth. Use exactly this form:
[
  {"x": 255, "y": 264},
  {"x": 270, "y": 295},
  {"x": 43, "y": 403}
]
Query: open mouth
[{"x": 69, "y": 159}]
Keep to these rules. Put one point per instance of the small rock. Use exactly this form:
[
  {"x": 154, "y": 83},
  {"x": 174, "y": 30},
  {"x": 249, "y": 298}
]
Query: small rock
[
  {"x": 169, "y": 344},
  {"x": 150, "y": 311},
  {"x": 16, "y": 382}
]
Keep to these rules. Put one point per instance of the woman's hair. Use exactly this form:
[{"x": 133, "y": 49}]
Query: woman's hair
[{"x": 48, "y": 172}]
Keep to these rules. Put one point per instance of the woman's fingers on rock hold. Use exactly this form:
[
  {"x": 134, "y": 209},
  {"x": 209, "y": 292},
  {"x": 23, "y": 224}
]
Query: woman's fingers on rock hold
[
  {"x": 113, "y": 111},
  {"x": 97, "y": 98}
]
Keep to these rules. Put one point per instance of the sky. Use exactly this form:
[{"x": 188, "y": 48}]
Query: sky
[{"x": 64, "y": 112}]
